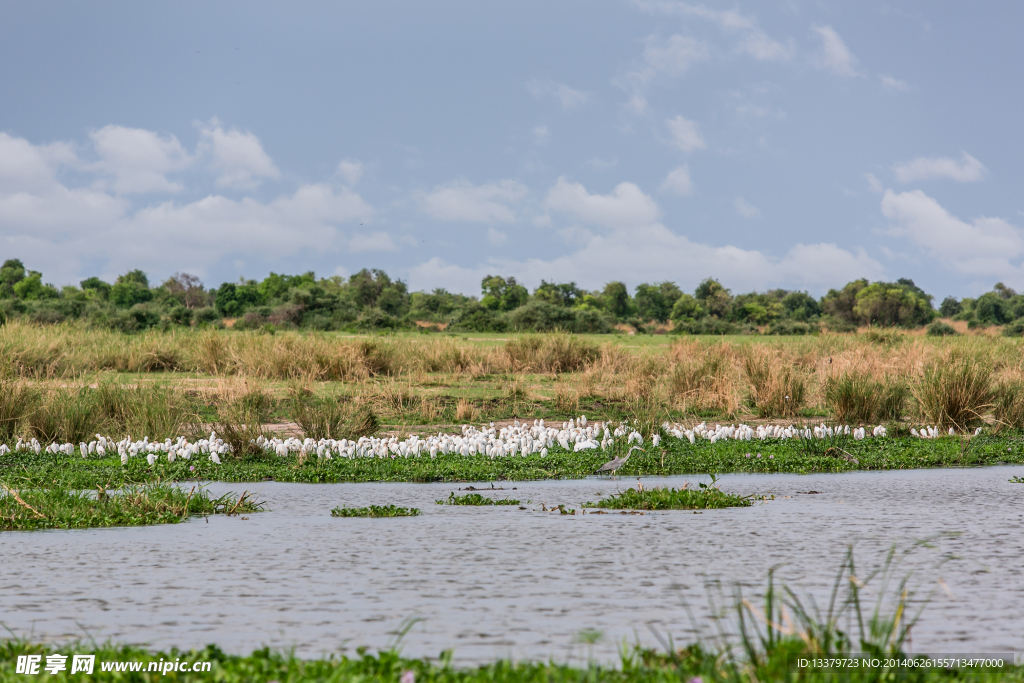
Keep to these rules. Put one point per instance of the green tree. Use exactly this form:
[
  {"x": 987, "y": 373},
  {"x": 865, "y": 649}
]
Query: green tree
[
  {"x": 96, "y": 288},
  {"x": 31, "y": 288},
  {"x": 11, "y": 273},
  {"x": 949, "y": 307},
  {"x": 655, "y": 302},
  {"x": 900, "y": 303},
  {"x": 801, "y": 306},
  {"x": 566, "y": 294},
  {"x": 687, "y": 309},
  {"x": 991, "y": 308},
  {"x": 714, "y": 298},
  {"x": 502, "y": 294},
  {"x": 615, "y": 300},
  {"x": 839, "y": 303}
]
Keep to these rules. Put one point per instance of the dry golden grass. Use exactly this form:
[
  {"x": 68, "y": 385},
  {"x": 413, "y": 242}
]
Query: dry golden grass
[{"x": 403, "y": 377}]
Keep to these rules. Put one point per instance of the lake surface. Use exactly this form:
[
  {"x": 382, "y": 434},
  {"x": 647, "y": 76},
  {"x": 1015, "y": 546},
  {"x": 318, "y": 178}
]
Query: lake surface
[{"x": 493, "y": 582}]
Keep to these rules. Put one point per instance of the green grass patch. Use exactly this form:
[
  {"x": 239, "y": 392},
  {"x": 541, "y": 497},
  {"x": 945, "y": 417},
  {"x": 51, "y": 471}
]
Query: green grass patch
[
  {"x": 54, "y": 508},
  {"x": 1017, "y": 480},
  {"x": 375, "y": 511},
  {"x": 475, "y": 499},
  {"x": 706, "y": 497}
]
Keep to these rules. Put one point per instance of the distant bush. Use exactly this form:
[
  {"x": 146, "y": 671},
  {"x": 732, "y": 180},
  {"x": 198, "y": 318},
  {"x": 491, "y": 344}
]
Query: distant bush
[
  {"x": 791, "y": 327},
  {"x": 1014, "y": 329},
  {"x": 941, "y": 329}
]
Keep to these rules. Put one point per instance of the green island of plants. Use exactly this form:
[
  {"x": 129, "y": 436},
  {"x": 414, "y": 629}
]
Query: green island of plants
[
  {"x": 1017, "y": 480},
  {"x": 706, "y": 497},
  {"x": 475, "y": 499},
  {"x": 375, "y": 511},
  {"x": 55, "y": 508}
]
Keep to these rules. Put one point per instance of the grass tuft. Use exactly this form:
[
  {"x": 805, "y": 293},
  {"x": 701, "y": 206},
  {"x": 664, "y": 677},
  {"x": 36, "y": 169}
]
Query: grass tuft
[{"x": 956, "y": 391}]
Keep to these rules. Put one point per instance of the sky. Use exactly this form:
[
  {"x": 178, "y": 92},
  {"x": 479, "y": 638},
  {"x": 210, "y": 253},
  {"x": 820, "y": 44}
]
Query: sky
[{"x": 780, "y": 143}]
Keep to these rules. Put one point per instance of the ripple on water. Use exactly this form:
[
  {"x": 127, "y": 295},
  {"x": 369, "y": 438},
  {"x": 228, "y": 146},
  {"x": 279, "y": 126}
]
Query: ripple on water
[{"x": 506, "y": 582}]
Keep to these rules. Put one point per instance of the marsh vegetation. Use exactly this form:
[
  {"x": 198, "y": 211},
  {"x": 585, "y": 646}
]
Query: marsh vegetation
[
  {"x": 375, "y": 511},
  {"x": 55, "y": 508}
]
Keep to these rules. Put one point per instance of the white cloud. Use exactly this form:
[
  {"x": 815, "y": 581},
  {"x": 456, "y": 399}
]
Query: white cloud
[
  {"x": 62, "y": 226},
  {"x": 873, "y": 182},
  {"x": 834, "y": 55},
  {"x": 374, "y": 241},
  {"x": 984, "y": 247},
  {"x": 684, "y": 133},
  {"x": 967, "y": 171},
  {"x": 138, "y": 160},
  {"x": 541, "y": 134},
  {"x": 676, "y": 56},
  {"x": 752, "y": 40},
  {"x": 678, "y": 181},
  {"x": 745, "y": 209},
  {"x": 568, "y": 98},
  {"x": 893, "y": 83},
  {"x": 462, "y": 201},
  {"x": 237, "y": 157},
  {"x": 496, "y": 237},
  {"x": 350, "y": 171},
  {"x": 24, "y": 166},
  {"x": 626, "y": 206}
]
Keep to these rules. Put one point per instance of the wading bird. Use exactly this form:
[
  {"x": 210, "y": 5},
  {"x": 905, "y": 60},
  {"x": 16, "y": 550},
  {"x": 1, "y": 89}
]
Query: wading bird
[{"x": 615, "y": 464}]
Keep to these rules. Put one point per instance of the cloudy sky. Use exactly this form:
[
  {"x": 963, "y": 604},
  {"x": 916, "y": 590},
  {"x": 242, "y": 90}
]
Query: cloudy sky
[{"x": 788, "y": 143}]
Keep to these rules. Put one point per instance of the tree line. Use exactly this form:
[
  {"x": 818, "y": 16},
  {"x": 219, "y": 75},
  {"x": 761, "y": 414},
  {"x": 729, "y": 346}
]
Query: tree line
[{"x": 371, "y": 300}]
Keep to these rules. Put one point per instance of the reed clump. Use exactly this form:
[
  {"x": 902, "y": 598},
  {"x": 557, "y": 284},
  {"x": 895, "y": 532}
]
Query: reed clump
[
  {"x": 956, "y": 390},
  {"x": 333, "y": 418},
  {"x": 857, "y": 398},
  {"x": 776, "y": 386}
]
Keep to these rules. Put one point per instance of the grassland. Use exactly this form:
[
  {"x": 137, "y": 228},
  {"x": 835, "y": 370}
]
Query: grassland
[
  {"x": 66, "y": 383},
  {"x": 55, "y": 508}
]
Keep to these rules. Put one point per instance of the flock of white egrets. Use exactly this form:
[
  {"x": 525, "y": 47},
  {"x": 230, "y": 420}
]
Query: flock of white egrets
[{"x": 519, "y": 438}]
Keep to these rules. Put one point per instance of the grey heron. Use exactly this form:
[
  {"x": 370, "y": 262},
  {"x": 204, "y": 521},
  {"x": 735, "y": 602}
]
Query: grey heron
[{"x": 615, "y": 464}]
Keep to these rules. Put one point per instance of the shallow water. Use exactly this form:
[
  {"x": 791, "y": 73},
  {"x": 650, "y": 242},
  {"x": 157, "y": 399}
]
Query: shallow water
[{"x": 493, "y": 582}]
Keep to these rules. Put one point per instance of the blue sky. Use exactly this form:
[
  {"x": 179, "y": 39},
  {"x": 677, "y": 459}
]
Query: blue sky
[{"x": 768, "y": 144}]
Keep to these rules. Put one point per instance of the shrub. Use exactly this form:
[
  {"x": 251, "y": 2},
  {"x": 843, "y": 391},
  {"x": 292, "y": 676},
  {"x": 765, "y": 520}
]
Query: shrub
[
  {"x": 941, "y": 329},
  {"x": 65, "y": 416},
  {"x": 550, "y": 353},
  {"x": 16, "y": 402},
  {"x": 776, "y": 388},
  {"x": 1014, "y": 329},
  {"x": 333, "y": 419},
  {"x": 1009, "y": 405},
  {"x": 956, "y": 391},
  {"x": 852, "y": 398}
]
